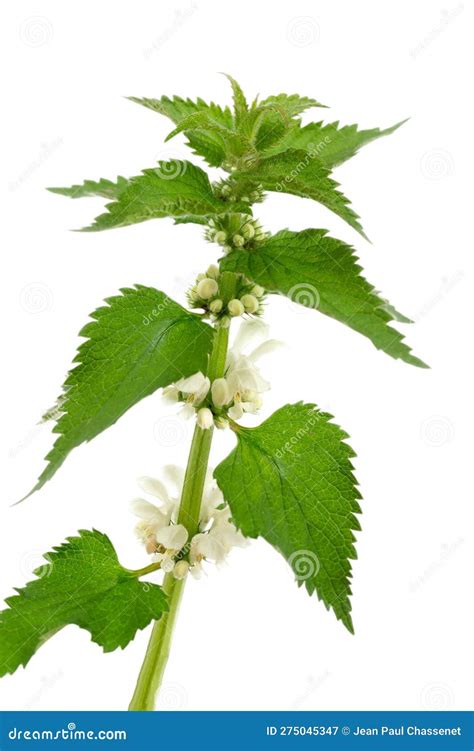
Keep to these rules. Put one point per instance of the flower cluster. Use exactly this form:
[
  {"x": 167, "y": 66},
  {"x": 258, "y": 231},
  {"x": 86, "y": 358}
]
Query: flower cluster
[
  {"x": 235, "y": 191},
  {"x": 206, "y": 293},
  {"x": 232, "y": 231},
  {"x": 237, "y": 392},
  {"x": 169, "y": 541}
]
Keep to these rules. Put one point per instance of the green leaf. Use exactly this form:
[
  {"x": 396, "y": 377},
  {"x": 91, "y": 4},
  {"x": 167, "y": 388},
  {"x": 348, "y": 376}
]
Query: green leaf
[
  {"x": 299, "y": 173},
  {"x": 84, "y": 584},
  {"x": 330, "y": 143},
  {"x": 321, "y": 272},
  {"x": 104, "y": 188},
  {"x": 208, "y": 145},
  {"x": 240, "y": 103},
  {"x": 141, "y": 341},
  {"x": 290, "y": 105},
  {"x": 234, "y": 144},
  {"x": 173, "y": 189},
  {"x": 290, "y": 481}
]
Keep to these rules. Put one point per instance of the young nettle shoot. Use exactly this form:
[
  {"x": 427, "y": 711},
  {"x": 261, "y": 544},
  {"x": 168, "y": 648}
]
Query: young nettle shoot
[{"x": 290, "y": 480}]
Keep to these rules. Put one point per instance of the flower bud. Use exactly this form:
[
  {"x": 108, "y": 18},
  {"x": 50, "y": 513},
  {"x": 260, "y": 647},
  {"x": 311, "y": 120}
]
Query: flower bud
[
  {"x": 181, "y": 569},
  {"x": 167, "y": 565},
  {"x": 248, "y": 231},
  {"x": 212, "y": 272},
  {"x": 235, "y": 307},
  {"x": 220, "y": 392},
  {"x": 220, "y": 237},
  {"x": 216, "y": 306},
  {"x": 250, "y": 303},
  {"x": 238, "y": 241},
  {"x": 257, "y": 290},
  {"x": 221, "y": 422},
  {"x": 205, "y": 418},
  {"x": 207, "y": 288}
]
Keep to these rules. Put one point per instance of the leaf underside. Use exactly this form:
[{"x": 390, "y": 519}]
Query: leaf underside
[
  {"x": 140, "y": 341},
  {"x": 84, "y": 584},
  {"x": 290, "y": 481}
]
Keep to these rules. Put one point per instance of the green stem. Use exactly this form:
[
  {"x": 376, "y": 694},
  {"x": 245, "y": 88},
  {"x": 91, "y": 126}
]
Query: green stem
[{"x": 156, "y": 657}]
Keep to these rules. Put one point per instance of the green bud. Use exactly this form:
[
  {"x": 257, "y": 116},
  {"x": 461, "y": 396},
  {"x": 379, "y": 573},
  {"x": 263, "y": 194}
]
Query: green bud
[
  {"x": 207, "y": 288},
  {"x": 248, "y": 231},
  {"x": 220, "y": 237},
  {"x": 213, "y": 271},
  {"x": 216, "y": 306},
  {"x": 238, "y": 241},
  {"x": 250, "y": 303},
  {"x": 235, "y": 307}
]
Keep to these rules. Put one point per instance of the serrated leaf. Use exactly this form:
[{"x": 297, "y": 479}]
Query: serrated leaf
[
  {"x": 290, "y": 105},
  {"x": 332, "y": 144},
  {"x": 290, "y": 481},
  {"x": 297, "y": 172},
  {"x": 81, "y": 583},
  {"x": 240, "y": 103},
  {"x": 234, "y": 144},
  {"x": 321, "y": 272},
  {"x": 140, "y": 341},
  {"x": 173, "y": 189},
  {"x": 208, "y": 145},
  {"x": 102, "y": 187}
]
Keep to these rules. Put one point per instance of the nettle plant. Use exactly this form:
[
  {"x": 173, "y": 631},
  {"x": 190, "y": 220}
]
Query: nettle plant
[{"x": 290, "y": 480}]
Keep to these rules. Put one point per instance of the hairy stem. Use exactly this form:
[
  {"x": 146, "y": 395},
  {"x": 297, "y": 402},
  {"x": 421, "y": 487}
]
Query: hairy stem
[{"x": 156, "y": 657}]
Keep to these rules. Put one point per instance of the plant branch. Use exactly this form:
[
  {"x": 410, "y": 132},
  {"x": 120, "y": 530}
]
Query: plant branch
[{"x": 156, "y": 657}]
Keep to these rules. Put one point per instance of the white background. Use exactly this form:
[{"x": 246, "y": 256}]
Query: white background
[{"x": 247, "y": 637}]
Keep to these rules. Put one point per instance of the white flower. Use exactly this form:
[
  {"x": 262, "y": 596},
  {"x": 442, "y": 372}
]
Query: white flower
[
  {"x": 205, "y": 418},
  {"x": 157, "y": 523},
  {"x": 215, "y": 544},
  {"x": 244, "y": 382},
  {"x": 172, "y": 537},
  {"x": 220, "y": 392},
  {"x": 194, "y": 389}
]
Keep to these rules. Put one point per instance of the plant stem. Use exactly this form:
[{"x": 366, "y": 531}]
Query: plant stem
[{"x": 156, "y": 657}]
